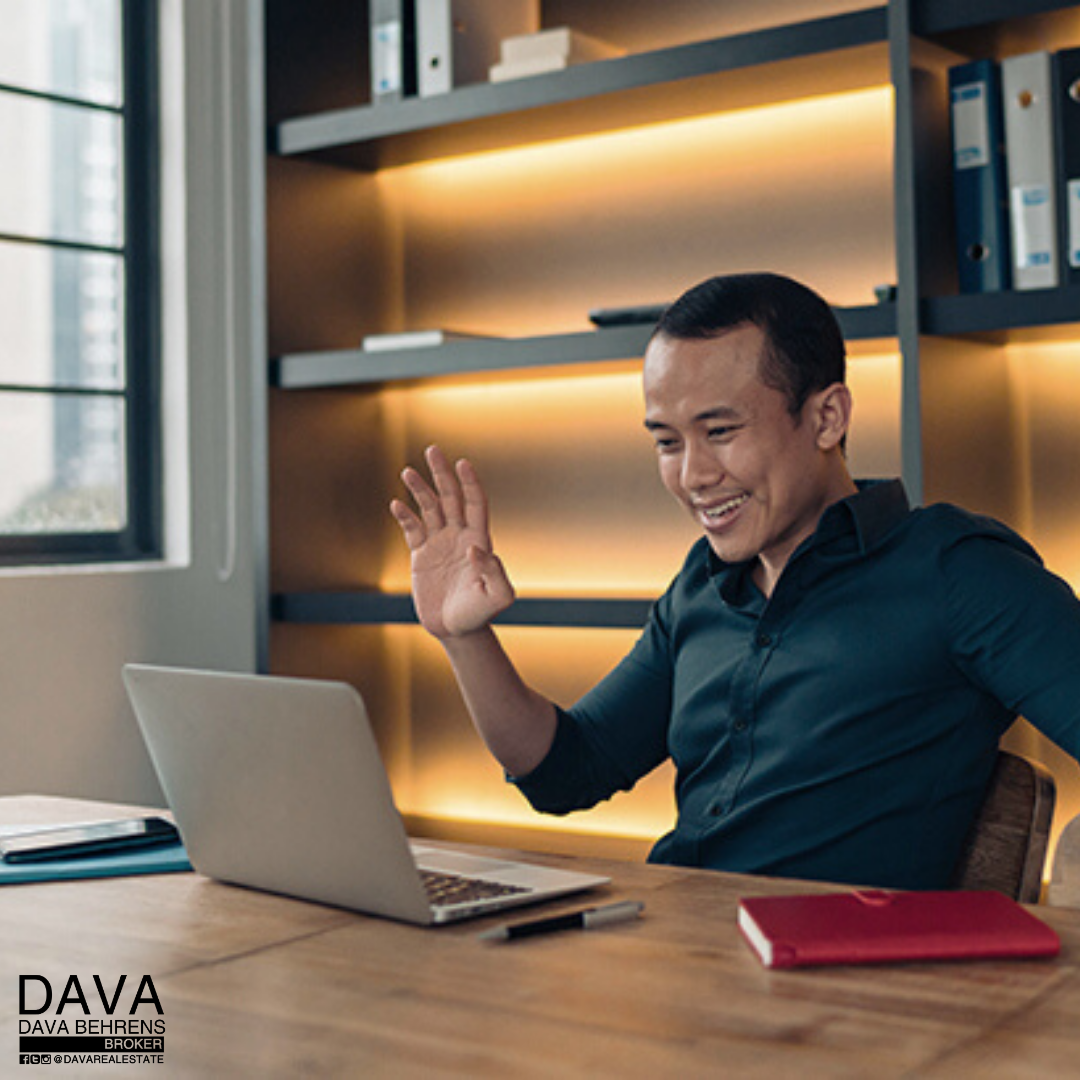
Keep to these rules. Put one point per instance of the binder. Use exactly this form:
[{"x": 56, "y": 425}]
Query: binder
[
  {"x": 979, "y": 184},
  {"x": 1032, "y": 175},
  {"x": 393, "y": 49},
  {"x": 458, "y": 41},
  {"x": 1066, "y": 81},
  {"x": 166, "y": 859},
  {"x": 872, "y": 926}
]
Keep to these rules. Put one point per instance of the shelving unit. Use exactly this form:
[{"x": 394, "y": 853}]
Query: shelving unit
[
  {"x": 359, "y": 242},
  {"x": 818, "y": 56}
]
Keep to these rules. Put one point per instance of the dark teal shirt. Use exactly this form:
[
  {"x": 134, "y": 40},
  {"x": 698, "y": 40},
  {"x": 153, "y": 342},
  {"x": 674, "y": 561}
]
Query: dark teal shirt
[{"x": 845, "y": 728}]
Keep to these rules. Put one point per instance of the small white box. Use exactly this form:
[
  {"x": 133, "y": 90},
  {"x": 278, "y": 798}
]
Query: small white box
[{"x": 562, "y": 42}]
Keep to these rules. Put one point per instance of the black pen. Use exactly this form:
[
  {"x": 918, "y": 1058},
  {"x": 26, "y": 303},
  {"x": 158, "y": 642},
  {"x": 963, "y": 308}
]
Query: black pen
[{"x": 587, "y": 919}]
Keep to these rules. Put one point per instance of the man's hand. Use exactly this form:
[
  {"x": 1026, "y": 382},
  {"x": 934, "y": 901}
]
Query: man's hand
[{"x": 459, "y": 584}]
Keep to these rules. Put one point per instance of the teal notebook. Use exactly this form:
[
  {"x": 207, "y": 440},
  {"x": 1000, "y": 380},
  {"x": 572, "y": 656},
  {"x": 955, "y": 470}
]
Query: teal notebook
[{"x": 166, "y": 859}]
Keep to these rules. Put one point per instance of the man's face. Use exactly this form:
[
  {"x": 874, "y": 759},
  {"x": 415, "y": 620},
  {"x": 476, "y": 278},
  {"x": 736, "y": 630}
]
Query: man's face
[{"x": 754, "y": 477}]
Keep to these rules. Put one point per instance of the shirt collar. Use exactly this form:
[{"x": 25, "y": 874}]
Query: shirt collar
[
  {"x": 852, "y": 526},
  {"x": 867, "y": 517}
]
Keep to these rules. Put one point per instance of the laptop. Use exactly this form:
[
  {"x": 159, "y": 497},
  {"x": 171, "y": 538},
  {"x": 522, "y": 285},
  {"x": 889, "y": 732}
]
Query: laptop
[{"x": 277, "y": 784}]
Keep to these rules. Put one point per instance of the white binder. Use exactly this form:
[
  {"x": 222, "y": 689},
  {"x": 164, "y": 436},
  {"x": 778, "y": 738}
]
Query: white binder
[
  {"x": 1029, "y": 143},
  {"x": 392, "y": 50}
]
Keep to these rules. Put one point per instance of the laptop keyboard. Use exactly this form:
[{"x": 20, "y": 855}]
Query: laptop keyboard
[{"x": 443, "y": 889}]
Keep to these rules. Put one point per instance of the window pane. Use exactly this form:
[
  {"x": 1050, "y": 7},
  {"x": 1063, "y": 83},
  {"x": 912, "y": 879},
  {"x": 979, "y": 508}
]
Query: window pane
[
  {"x": 68, "y": 185},
  {"x": 67, "y": 47},
  {"x": 70, "y": 451},
  {"x": 63, "y": 313}
]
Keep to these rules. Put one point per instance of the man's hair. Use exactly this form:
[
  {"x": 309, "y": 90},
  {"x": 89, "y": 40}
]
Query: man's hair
[{"x": 804, "y": 349}]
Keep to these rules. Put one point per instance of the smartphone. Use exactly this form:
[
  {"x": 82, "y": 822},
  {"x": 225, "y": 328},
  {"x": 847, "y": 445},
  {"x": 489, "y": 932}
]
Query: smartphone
[{"x": 77, "y": 841}]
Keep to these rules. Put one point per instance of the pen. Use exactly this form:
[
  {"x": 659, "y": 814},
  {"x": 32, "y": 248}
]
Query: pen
[{"x": 587, "y": 919}]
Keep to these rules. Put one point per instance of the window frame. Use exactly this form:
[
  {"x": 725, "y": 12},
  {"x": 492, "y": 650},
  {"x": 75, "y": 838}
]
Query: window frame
[{"x": 139, "y": 112}]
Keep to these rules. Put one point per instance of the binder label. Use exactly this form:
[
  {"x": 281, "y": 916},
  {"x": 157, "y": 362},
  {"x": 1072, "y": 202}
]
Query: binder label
[
  {"x": 1033, "y": 226},
  {"x": 971, "y": 130},
  {"x": 387, "y": 76},
  {"x": 1072, "y": 222}
]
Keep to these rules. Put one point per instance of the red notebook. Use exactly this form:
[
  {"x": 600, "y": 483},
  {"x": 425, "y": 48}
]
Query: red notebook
[{"x": 870, "y": 926}]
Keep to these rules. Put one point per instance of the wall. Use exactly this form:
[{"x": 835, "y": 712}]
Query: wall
[{"x": 64, "y": 635}]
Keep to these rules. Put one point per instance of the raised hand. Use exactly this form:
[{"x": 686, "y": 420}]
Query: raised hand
[{"x": 459, "y": 584}]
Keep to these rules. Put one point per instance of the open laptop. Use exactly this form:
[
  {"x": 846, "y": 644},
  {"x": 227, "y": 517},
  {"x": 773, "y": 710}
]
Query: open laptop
[{"x": 277, "y": 783}]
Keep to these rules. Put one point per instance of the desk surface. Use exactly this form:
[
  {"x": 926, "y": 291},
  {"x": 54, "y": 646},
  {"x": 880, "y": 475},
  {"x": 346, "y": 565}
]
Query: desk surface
[{"x": 260, "y": 985}]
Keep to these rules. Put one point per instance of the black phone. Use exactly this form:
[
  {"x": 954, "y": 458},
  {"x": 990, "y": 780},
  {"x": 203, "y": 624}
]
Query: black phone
[{"x": 98, "y": 838}]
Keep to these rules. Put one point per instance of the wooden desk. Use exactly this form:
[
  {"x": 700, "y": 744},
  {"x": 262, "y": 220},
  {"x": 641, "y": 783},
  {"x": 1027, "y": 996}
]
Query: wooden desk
[{"x": 258, "y": 985}]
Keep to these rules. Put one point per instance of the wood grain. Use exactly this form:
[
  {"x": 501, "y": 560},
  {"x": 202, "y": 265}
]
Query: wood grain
[{"x": 254, "y": 984}]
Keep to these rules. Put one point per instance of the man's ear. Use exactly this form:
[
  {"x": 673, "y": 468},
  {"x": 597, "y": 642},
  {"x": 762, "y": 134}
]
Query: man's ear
[{"x": 832, "y": 415}]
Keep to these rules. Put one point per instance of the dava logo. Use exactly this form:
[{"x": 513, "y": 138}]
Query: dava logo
[{"x": 73, "y": 995}]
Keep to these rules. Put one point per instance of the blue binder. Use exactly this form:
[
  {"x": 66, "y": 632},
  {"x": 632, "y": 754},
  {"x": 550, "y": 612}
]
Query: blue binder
[
  {"x": 980, "y": 193},
  {"x": 1066, "y": 84}
]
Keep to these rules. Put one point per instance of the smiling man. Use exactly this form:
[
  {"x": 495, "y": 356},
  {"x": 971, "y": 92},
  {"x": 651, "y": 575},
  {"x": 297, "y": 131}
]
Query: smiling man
[
  {"x": 756, "y": 473},
  {"x": 831, "y": 671}
]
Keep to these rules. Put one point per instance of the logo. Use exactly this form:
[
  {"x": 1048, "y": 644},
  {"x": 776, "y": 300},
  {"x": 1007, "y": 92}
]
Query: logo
[{"x": 90, "y": 1021}]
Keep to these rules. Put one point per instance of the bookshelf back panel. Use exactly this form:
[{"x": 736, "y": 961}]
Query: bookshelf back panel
[
  {"x": 577, "y": 505},
  {"x": 528, "y": 241},
  {"x": 1046, "y": 382},
  {"x": 453, "y": 775}
]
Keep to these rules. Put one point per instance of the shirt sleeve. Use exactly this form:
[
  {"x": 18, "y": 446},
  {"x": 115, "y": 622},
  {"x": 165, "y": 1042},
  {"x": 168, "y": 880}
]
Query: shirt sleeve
[
  {"x": 615, "y": 735},
  {"x": 1015, "y": 631}
]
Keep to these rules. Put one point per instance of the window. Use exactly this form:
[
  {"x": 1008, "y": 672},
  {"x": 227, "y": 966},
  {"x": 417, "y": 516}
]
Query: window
[{"x": 78, "y": 280}]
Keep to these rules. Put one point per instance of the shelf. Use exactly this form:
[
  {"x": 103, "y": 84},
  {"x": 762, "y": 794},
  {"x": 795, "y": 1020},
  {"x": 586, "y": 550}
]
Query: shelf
[
  {"x": 350, "y": 367},
  {"x": 667, "y": 84},
  {"x": 1042, "y": 314},
  {"x": 942, "y": 16},
  {"x": 355, "y": 367},
  {"x": 372, "y": 608}
]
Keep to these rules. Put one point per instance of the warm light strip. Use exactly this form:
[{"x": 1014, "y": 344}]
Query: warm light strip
[
  {"x": 555, "y": 419},
  {"x": 533, "y": 415},
  {"x": 533, "y": 396},
  {"x": 632, "y": 824},
  {"x": 601, "y": 149},
  {"x": 527, "y": 239},
  {"x": 1045, "y": 378},
  {"x": 568, "y": 393}
]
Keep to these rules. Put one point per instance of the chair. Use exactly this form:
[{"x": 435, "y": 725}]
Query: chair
[
  {"x": 1064, "y": 887},
  {"x": 1006, "y": 847}
]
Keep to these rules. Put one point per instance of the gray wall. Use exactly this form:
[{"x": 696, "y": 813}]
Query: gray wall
[{"x": 64, "y": 634}]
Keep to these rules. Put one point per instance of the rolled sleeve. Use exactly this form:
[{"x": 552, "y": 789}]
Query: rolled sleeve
[{"x": 612, "y": 737}]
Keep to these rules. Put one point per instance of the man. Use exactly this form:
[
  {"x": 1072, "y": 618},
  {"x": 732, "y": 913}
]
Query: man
[{"x": 830, "y": 671}]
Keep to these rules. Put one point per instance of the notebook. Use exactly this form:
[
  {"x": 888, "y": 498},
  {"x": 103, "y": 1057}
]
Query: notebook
[
  {"x": 867, "y": 926},
  {"x": 277, "y": 784}
]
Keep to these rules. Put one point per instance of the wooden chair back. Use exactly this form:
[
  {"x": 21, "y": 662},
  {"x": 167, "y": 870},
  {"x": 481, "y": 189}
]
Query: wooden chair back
[
  {"x": 1006, "y": 848},
  {"x": 1064, "y": 888}
]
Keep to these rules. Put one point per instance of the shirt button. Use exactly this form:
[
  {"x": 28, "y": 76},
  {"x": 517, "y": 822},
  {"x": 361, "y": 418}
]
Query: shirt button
[
  {"x": 764, "y": 640},
  {"x": 739, "y": 725},
  {"x": 716, "y": 811}
]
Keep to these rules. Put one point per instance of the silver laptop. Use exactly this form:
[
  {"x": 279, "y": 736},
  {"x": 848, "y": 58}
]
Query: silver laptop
[{"x": 277, "y": 784}]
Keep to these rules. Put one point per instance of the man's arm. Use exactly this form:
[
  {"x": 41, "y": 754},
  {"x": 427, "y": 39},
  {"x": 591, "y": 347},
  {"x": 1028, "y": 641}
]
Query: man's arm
[
  {"x": 460, "y": 586},
  {"x": 1014, "y": 627}
]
